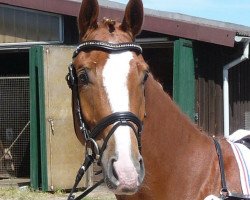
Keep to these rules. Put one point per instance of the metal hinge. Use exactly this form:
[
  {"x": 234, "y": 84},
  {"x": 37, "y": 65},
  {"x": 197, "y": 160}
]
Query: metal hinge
[{"x": 51, "y": 122}]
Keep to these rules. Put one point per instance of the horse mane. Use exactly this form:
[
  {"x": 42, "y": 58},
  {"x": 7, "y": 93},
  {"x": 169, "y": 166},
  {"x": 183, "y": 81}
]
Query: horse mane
[
  {"x": 161, "y": 109},
  {"x": 110, "y": 23},
  {"x": 158, "y": 99}
]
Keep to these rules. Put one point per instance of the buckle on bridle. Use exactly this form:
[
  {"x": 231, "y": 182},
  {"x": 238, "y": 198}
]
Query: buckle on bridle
[
  {"x": 71, "y": 76},
  {"x": 224, "y": 192},
  {"x": 94, "y": 148}
]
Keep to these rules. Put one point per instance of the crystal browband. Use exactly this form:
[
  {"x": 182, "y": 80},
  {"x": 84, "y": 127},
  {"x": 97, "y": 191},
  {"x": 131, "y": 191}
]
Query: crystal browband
[{"x": 106, "y": 46}]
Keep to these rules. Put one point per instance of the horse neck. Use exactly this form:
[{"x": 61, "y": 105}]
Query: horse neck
[
  {"x": 178, "y": 149},
  {"x": 167, "y": 125}
]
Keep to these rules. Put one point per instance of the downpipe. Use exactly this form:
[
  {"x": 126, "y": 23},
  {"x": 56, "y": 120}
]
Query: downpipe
[{"x": 228, "y": 66}]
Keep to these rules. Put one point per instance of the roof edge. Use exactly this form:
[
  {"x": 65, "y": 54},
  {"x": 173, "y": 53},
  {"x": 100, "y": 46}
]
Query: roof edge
[{"x": 174, "y": 24}]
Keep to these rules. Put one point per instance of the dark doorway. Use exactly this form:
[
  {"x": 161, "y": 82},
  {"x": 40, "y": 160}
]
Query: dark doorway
[
  {"x": 14, "y": 115},
  {"x": 160, "y": 61}
]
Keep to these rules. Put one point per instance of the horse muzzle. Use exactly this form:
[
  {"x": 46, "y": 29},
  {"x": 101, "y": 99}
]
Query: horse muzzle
[{"x": 124, "y": 177}]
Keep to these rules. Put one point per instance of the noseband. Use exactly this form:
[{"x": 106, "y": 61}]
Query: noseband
[{"x": 116, "y": 119}]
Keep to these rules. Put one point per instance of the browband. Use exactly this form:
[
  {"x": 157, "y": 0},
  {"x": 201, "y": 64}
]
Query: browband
[{"x": 106, "y": 46}]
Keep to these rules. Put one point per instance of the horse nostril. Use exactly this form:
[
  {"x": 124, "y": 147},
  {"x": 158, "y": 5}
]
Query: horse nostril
[
  {"x": 141, "y": 171},
  {"x": 141, "y": 163},
  {"x": 113, "y": 169},
  {"x": 112, "y": 178}
]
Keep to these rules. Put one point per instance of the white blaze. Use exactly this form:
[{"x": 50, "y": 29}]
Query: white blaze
[
  {"x": 115, "y": 74},
  {"x": 115, "y": 79}
]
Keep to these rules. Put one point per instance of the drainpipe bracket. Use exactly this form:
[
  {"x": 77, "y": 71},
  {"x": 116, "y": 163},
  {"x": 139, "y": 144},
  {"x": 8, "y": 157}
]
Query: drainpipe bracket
[{"x": 241, "y": 39}]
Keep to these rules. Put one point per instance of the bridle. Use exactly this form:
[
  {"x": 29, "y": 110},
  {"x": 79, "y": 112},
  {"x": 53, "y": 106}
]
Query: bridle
[{"x": 116, "y": 119}]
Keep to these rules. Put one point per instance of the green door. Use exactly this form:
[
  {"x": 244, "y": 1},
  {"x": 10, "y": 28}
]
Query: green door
[
  {"x": 37, "y": 120},
  {"x": 184, "y": 77},
  {"x": 56, "y": 154}
]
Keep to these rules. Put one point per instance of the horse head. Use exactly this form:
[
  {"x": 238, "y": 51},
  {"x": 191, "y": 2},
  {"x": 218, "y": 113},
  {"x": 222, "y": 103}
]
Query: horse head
[{"x": 110, "y": 75}]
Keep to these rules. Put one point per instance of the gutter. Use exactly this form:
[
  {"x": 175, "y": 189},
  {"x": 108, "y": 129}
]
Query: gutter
[{"x": 228, "y": 66}]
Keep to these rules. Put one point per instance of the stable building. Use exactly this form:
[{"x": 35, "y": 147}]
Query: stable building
[{"x": 203, "y": 64}]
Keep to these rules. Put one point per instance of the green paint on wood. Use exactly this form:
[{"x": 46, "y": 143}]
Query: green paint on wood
[
  {"x": 184, "y": 77},
  {"x": 34, "y": 155},
  {"x": 38, "y": 150}
]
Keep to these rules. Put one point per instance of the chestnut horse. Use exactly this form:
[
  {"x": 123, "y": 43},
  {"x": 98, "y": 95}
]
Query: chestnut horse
[
  {"x": 110, "y": 73},
  {"x": 180, "y": 161}
]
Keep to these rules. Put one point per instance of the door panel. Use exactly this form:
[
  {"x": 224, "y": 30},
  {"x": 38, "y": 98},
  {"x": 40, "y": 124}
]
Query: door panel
[
  {"x": 60, "y": 153},
  {"x": 184, "y": 77}
]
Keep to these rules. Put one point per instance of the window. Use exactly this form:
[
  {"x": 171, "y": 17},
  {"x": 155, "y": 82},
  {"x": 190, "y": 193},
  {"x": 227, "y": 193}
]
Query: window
[{"x": 24, "y": 26}]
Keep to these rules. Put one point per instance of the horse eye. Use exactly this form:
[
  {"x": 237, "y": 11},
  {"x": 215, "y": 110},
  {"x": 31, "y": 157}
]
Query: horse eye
[
  {"x": 145, "y": 77},
  {"x": 83, "y": 77}
]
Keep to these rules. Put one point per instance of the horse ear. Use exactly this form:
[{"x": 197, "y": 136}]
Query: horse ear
[
  {"x": 88, "y": 16},
  {"x": 133, "y": 17}
]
